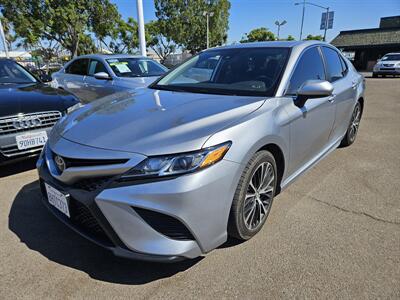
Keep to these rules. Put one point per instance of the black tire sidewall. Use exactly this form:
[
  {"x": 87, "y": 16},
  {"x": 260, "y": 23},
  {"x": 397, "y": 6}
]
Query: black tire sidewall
[
  {"x": 242, "y": 232},
  {"x": 347, "y": 141}
]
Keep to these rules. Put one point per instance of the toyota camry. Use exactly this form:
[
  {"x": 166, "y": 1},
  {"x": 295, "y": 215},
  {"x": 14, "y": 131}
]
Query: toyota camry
[{"x": 170, "y": 171}]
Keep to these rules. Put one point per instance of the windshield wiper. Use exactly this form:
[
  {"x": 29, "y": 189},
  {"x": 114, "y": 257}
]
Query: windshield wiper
[{"x": 171, "y": 89}]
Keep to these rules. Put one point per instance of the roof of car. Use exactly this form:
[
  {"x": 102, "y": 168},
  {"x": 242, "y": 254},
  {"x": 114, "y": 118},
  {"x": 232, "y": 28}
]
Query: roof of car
[
  {"x": 107, "y": 56},
  {"x": 272, "y": 44}
]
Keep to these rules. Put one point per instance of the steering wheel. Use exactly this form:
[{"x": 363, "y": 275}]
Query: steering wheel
[{"x": 266, "y": 79}]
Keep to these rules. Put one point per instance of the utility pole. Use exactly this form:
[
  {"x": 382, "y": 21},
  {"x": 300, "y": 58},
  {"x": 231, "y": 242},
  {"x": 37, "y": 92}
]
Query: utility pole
[
  {"x": 3, "y": 38},
  {"x": 142, "y": 37},
  {"x": 208, "y": 15}
]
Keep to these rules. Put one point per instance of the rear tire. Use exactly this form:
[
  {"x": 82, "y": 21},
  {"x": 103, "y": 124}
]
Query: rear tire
[
  {"x": 253, "y": 197},
  {"x": 352, "y": 130}
]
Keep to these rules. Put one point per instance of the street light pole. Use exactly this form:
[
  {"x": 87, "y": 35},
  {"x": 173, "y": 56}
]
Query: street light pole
[
  {"x": 302, "y": 18},
  {"x": 3, "y": 38},
  {"x": 142, "y": 38},
  {"x": 208, "y": 15},
  {"x": 279, "y": 24}
]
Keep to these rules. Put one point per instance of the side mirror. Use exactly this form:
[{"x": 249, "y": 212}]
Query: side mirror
[
  {"x": 102, "y": 76},
  {"x": 313, "y": 89}
]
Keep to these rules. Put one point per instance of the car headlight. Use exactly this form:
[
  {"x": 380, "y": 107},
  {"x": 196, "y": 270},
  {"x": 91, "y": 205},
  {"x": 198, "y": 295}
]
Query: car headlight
[
  {"x": 178, "y": 164},
  {"x": 397, "y": 64},
  {"x": 74, "y": 107}
]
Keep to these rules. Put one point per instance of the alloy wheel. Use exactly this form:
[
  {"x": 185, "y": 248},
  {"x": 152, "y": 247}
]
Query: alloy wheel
[
  {"x": 259, "y": 196},
  {"x": 355, "y": 122}
]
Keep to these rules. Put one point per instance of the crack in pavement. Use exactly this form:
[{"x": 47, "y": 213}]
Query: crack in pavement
[{"x": 360, "y": 213}]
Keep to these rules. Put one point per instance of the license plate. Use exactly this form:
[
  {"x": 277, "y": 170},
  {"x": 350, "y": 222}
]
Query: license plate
[
  {"x": 57, "y": 199},
  {"x": 31, "y": 140}
]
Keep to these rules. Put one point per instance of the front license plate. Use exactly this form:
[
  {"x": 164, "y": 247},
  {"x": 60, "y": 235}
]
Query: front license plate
[
  {"x": 31, "y": 140},
  {"x": 57, "y": 199}
]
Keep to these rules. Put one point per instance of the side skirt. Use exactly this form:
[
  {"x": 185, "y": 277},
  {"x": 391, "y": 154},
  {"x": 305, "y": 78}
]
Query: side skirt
[{"x": 310, "y": 164}]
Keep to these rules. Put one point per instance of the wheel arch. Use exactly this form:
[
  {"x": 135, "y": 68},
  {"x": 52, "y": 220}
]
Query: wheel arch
[
  {"x": 361, "y": 100},
  {"x": 279, "y": 157}
]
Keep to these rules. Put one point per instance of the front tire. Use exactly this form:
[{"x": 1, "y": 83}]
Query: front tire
[
  {"x": 374, "y": 75},
  {"x": 253, "y": 197},
  {"x": 352, "y": 130}
]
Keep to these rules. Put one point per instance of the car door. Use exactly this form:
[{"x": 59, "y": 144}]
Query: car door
[
  {"x": 97, "y": 88},
  {"x": 72, "y": 80},
  {"x": 344, "y": 90},
  {"x": 311, "y": 124}
]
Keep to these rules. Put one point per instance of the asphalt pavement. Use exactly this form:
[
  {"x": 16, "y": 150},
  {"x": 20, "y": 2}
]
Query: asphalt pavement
[{"x": 334, "y": 233}]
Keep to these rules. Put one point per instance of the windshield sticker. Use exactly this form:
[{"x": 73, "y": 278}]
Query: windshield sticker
[{"x": 122, "y": 67}]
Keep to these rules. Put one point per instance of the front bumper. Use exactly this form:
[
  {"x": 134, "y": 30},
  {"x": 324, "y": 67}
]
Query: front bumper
[
  {"x": 9, "y": 151},
  {"x": 129, "y": 216},
  {"x": 387, "y": 71}
]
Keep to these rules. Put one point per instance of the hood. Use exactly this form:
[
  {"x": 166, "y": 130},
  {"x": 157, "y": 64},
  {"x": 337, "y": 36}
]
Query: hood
[
  {"x": 154, "y": 122},
  {"x": 33, "y": 97}
]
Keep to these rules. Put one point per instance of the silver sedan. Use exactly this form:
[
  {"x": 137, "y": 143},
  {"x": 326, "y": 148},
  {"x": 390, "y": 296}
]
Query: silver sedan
[
  {"x": 171, "y": 171},
  {"x": 90, "y": 77}
]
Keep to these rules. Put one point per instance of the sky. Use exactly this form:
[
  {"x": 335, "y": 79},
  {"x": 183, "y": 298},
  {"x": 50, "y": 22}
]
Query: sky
[{"x": 246, "y": 15}]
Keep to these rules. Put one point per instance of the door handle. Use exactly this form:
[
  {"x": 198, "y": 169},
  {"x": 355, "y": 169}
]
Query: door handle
[
  {"x": 354, "y": 84},
  {"x": 332, "y": 98}
]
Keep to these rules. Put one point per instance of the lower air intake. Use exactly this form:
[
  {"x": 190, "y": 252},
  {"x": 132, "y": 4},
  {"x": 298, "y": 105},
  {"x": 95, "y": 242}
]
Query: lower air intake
[{"x": 165, "y": 224}]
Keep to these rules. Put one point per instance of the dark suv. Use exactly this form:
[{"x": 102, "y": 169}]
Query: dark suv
[{"x": 28, "y": 111}]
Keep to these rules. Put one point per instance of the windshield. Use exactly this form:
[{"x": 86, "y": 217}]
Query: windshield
[
  {"x": 136, "y": 67},
  {"x": 391, "y": 57},
  {"x": 240, "y": 71},
  {"x": 11, "y": 72}
]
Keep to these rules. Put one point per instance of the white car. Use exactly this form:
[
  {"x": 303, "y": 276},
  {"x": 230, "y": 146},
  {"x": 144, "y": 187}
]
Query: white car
[
  {"x": 389, "y": 64},
  {"x": 94, "y": 76}
]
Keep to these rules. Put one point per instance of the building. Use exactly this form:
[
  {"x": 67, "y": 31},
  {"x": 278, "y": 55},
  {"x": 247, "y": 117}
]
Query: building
[
  {"x": 365, "y": 46},
  {"x": 18, "y": 55}
]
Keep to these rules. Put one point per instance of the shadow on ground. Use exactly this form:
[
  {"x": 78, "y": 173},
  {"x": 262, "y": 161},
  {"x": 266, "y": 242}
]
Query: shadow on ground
[
  {"x": 42, "y": 232},
  {"x": 17, "y": 167}
]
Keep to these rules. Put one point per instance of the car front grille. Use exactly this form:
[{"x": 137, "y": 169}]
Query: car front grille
[
  {"x": 12, "y": 150},
  {"x": 81, "y": 219},
  {"x": 85, "y": 221},
  {"x": 28, "y": 122},
  {"x": 91, "y": 184}
]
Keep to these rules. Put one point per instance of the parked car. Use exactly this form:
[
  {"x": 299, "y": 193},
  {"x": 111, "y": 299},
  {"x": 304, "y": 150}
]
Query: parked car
[
  {"x": 169, "y": 172},
  {"x": 28, "y": 110},
  {"x": 94, "y": 76},
  {"x": 389, "y": 64}
]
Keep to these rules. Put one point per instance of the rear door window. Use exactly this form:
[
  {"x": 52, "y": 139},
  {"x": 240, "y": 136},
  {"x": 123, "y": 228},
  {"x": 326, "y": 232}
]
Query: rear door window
[
  {"x": 96, "y": 66},
  {"x": 309, "y": 67},
  {"x": 333, "y": 64},
  {"x": 78, "y": 67}
]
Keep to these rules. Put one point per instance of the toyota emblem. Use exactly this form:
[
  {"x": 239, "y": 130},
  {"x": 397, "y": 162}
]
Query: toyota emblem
[{"x": 60, "y": 163}]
